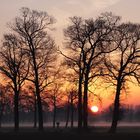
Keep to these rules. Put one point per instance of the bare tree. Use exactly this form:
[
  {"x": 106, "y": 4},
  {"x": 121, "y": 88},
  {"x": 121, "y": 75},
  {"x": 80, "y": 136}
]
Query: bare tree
[
  {"x": 15, "y": 66},
  {"x": 73, "y": 100},
  {"x": 31, "y": 28},
  {"x": 54, "y": 99},
  {"x": 74, "y": 60},
  {"x": 27, "y": 102},
  {"x": 88, "y": 41},
  {"x": 67, "y": 111},
  {"x": 122, "y": 65},
  {"x": 4, "y": 99}
]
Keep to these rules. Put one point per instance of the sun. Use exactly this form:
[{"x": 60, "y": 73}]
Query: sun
[{"x": 94, "y": 109}]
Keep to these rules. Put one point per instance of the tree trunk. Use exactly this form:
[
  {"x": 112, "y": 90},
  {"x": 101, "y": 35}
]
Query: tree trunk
[
  {"x": 72, "y": 112},
  {"x": 16, "y": 111},
  {"x": 40, "y": 113},
  {"x": 85, "y": 103},
  {"x": 39, "y": 103},
  {"x": 54, "y": 115},
  {"x": 1, "y": 113},
  {"x": 80, "y": 118},
  {"x": 67, "y": 115},
  {"x": 35, "y": 114},
  {"x": 115, "y": 116}
]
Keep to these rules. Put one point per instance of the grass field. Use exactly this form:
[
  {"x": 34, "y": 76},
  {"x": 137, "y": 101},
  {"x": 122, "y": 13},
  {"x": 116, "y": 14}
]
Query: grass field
[{"x": 98, "y": 133}]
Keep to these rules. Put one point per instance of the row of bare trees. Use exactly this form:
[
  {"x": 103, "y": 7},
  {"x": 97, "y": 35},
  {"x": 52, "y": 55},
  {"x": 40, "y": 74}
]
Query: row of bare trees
[
  {"x": 28, "y": 53},
  {"x": 102, "y": 48}
]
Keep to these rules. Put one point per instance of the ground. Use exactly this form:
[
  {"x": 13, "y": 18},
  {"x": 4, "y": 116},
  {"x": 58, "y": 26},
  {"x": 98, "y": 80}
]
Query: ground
[{"x": 99, "y": 133}]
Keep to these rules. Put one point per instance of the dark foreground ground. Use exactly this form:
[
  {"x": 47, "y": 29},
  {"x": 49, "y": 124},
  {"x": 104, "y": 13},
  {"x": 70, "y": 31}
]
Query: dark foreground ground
[{"x": 100, "y": 133}]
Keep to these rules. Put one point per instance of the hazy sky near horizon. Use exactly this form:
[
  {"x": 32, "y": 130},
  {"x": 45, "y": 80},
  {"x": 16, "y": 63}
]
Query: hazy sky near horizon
[{"x": 63, "y": 9}]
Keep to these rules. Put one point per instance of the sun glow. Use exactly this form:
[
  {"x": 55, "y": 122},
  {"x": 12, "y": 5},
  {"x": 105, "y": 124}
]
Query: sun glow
[{"x": 94, "y": 109}]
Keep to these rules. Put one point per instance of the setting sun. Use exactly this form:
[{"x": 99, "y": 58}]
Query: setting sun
[{"x": 94, "y": 109}]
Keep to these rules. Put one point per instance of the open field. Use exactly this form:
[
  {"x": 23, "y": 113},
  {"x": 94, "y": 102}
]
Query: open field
[{"x": 98, "y": 133}]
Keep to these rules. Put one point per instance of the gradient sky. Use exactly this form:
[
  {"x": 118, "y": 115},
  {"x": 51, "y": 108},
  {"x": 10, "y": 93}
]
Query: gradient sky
[{"x": 63, "y": 9}]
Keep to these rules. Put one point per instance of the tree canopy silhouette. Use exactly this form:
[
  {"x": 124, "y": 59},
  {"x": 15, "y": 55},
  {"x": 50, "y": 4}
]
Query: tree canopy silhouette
[{"x": 32, "y": 27}]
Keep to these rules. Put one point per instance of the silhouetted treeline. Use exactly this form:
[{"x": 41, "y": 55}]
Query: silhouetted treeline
[{"x": 129, "y": 113}]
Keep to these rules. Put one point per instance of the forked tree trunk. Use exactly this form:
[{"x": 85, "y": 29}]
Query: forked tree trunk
[
  {"x": 39, "y": 103},
  {"x": 115, "y": 116}
]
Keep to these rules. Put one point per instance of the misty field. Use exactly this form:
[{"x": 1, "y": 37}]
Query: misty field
[{"x": 96, "y": 133}]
